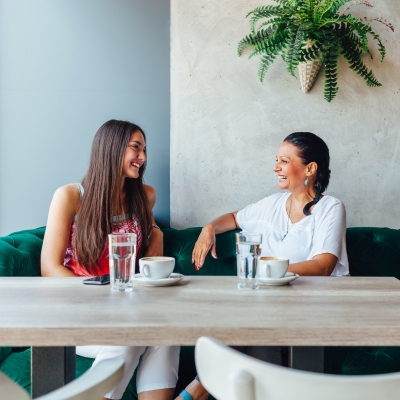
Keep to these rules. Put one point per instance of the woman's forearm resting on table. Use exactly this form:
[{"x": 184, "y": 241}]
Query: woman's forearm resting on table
[
  {"x": 56, "y": 271},
  {"x": 320, "y": 265}
]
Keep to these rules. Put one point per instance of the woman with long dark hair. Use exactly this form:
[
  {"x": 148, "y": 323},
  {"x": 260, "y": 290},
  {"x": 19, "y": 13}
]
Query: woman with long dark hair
[
  {"x": 111, "y": 198},
  {"x": 301, "y": 224}
]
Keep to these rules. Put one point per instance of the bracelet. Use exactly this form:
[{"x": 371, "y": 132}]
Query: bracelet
[{"x": 155, "y": 226}]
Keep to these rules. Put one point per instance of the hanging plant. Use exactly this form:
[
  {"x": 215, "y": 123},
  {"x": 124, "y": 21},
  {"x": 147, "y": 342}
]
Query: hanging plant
[{"x": 308, "y": 33}]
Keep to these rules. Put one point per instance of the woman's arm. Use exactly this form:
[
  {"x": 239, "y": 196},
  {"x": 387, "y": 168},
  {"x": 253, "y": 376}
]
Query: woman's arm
[
  {"x": 155, "y": 243},
  {"x": 62, "y": 210},
  {"x": 329, "y": 236},
  {"x": 320, "y": 265},
  {"x": 206, "y": 240}
]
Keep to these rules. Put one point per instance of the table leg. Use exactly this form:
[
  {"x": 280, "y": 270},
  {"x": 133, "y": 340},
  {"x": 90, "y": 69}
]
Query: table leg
[
  {"x": 51, "y": 368},
  {"x": 307, "y": 358}
]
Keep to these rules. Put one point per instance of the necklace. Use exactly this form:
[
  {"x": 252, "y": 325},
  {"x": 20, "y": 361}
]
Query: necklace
[{"x": 287, "y": 222}]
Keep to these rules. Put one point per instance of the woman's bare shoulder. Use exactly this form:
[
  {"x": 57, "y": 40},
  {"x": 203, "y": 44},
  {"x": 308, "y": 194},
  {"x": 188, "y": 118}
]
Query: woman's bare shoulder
[
  {"x": 150, "y": 194},
  {"x": 68, "y": 196}
]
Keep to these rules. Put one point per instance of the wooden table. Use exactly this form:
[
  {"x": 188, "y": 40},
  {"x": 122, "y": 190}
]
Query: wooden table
[{"x": 311, "y": 311}]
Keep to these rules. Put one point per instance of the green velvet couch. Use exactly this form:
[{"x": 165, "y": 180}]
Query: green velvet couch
[{"x": 371, "y": 251}]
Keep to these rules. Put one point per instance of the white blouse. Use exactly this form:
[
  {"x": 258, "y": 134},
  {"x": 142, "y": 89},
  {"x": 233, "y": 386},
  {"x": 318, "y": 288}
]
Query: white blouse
[{"x": 324, "y": 231}]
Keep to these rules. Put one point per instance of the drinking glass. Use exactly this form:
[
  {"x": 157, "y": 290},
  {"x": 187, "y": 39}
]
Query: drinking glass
[
  {"x": 122, "y": 255},
  {"x": 248, "y": 251}
]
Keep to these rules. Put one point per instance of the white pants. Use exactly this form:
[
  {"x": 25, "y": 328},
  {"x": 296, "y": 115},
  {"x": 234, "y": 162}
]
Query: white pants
[{"x": 158, "y": 365}]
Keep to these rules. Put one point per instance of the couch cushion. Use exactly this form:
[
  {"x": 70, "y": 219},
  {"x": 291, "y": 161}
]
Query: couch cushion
[
  {"x": 20, "y": 253},
  {"x": 373, "y": 251},
  {"x": 371, "y": 360},
  {"x": 4, "y": 352}
]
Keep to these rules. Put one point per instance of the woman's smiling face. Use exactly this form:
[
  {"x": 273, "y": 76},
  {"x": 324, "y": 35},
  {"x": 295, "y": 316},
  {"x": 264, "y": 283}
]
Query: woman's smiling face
[
  {"x": 290, "y": 168},
  {"x": 135, "y": 156}
]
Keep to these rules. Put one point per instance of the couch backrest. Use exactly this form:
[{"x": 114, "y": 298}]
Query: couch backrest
[
  {"x": 371, "y": 251},
  {"x": 20, "y": 253},
  {"x": 180, "y": 243}
]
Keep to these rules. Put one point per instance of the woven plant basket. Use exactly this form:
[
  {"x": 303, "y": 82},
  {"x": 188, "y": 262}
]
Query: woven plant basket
[{"x": 308, "y": 71}]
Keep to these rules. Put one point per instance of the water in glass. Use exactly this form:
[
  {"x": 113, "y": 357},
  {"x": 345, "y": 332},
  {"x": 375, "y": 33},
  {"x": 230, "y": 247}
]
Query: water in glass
[
  {"x": 122, "y": 253},
  {"x": 248, "y": 251}
]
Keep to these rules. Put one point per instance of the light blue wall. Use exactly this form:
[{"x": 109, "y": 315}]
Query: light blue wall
[{"x": 67, "y": 66}]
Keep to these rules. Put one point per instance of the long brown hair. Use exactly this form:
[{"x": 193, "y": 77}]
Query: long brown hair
[{"x": 101, "y": 199}]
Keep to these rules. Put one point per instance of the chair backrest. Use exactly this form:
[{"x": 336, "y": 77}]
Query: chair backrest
[
  {"x": 92, "y": 385},
  {"x": 230, "y": 375}
]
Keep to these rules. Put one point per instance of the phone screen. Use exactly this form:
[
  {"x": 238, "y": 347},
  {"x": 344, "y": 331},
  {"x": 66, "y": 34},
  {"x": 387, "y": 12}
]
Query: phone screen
[{"x": 98, "y": 280}]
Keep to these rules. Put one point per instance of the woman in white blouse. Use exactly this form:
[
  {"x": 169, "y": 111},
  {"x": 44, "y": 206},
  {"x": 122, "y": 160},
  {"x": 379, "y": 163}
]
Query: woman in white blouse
[{"x": 301, "y": 224}]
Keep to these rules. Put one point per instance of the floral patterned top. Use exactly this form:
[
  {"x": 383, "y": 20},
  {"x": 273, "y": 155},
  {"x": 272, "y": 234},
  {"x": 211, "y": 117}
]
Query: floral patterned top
[{"x": 123, "y": 224}]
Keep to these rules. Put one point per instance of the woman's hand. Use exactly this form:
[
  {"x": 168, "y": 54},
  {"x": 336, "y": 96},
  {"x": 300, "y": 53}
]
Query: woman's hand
[
  {"x": 155, "y": 244},
  {"x": 204, "y": 243},
  {"x": 206, "y": 240}
]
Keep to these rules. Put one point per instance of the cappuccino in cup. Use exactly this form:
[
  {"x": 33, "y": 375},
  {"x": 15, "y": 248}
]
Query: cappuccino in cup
[
  {"x": 273, "y": 267},
  {"x": 156, "y": 267}
]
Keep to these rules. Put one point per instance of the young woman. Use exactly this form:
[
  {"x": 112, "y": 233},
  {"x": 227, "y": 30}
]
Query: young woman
[
  {"x": 111, "y": 198},
  {"x": 301, "y": 224}
]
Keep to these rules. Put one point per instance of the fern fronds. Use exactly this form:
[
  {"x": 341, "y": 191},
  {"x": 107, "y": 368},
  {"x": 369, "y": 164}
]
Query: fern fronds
[
  {"x": 363, "y": 30},
  {"x": 381, "y": 47},
  {"x": 352, "y": 53},
  {"x": 321, "y": 9},
  {"x": 273, "y": 45},
  {"x": 308, "y": 6},
  {"x": 253, "y": 40},
  {"x": 263, "y": 12},
  {"x": 310, "y": 53},
  {"x": 330, "y": 61},
  {"x": 347, "y": 26},
  {"x": 296, "y": 42},
  {"x": 337, "y": 4},
  {"x": 350, "y": 24},
  {"x": 265, "y": 63},
  {"x": 360, "y": 28}
]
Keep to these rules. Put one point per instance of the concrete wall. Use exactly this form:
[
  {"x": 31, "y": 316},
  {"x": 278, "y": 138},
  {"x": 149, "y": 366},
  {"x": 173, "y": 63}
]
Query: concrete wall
[
  {"x": 66, "y": 67},
  {"x": 226, "y": 126}
]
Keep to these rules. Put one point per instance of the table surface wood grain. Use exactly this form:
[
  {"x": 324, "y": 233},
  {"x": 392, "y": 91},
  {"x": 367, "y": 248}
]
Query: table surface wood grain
[{"x": 311, "y": 311}]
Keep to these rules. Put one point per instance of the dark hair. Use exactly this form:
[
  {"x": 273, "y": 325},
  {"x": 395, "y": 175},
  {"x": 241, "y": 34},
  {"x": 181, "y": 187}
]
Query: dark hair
[
  {"x": 101, "y": 200},
  {"x": 312, "y": 148}
]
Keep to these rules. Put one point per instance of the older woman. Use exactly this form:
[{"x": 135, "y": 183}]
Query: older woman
[{"x": 302, "y": 224}]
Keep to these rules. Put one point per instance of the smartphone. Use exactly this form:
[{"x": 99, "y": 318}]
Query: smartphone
[{"x": 98, "y": 280}]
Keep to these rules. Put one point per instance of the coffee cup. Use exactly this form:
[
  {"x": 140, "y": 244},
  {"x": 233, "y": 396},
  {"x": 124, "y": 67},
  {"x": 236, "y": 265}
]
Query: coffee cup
[
  {"x": 273, "y": 267},
  {"x": 156, "y": 267}
]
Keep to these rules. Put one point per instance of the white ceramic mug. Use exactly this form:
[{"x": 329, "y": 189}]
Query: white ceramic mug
[
  {"x": 273, "y": 267},
  {"x": 156, "y": 267}
]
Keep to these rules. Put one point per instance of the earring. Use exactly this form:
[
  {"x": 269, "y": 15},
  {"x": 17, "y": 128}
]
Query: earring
[{"x": 306, "y": 181}]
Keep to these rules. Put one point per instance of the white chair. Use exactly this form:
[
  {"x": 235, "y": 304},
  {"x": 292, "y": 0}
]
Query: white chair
[
  {"x": 92, "y": 385},
  {"x": 230, "y": 375}
]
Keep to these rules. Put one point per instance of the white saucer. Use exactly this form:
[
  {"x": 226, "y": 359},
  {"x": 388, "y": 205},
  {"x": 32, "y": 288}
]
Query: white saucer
[
  {"x": 172, "y": 280},
  {"x": 289, "y": 277}
]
